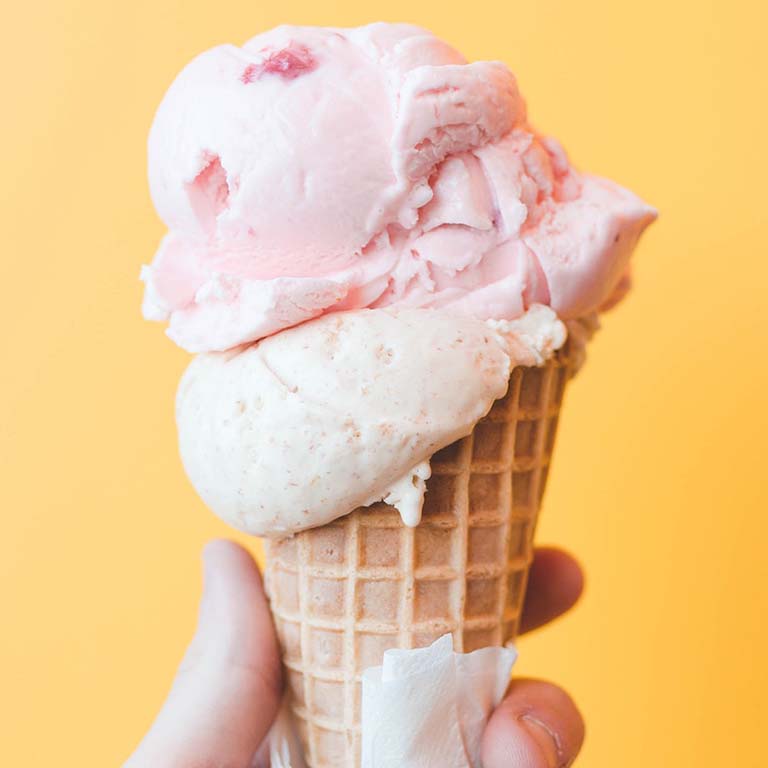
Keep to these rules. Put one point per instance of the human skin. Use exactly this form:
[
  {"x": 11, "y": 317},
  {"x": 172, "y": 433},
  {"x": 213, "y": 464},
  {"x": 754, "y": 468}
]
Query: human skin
[{"x": 228, "y": 687}]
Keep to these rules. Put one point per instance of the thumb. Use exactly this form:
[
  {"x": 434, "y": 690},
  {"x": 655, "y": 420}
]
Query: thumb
[
  {"x": 228, "y": 688},
  {"x": 536, "y": 726}
]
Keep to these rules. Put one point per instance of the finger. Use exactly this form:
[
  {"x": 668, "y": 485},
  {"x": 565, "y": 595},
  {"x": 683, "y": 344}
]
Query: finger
[
  {"x": 536, "y": 726},
  {"x": 228, "y": 687},
  {"x": 262, "y": 758},
  {"x": 555, "y": 583}
]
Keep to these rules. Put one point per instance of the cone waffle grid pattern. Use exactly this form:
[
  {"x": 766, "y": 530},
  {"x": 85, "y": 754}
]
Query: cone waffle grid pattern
[{"x": 343, "y": 593}]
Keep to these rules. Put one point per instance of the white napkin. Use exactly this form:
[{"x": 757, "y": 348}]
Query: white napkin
[
  {"x": 427, "y": 706},
  {"x": 284, "y": 748}
]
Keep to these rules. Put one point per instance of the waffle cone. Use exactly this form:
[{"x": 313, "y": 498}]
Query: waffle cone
[{"x": 343, "y": 593}]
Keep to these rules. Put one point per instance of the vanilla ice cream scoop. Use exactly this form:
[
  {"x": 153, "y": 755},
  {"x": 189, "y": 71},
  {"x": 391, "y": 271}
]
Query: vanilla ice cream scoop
[
  {"x": 319, "y": 170},
  {"x": 344, "y": 410}
]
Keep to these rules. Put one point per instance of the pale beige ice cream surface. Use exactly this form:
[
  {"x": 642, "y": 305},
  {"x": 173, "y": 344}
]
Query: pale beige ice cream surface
[{"x": 345, "y": 410}]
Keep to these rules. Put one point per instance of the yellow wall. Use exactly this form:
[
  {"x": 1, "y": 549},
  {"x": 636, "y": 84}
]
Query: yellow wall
[{"x": 659, "y": 481}]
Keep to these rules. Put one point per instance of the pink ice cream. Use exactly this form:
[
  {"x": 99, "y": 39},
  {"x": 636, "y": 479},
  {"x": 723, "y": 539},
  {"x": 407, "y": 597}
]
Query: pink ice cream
[{"x": 317, "y": 170}]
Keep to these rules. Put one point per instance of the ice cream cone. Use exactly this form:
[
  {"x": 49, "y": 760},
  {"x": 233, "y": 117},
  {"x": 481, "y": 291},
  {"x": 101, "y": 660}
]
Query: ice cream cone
[
  {"x": 432, "y": 258},
  {"x": 343, "y": 593}
]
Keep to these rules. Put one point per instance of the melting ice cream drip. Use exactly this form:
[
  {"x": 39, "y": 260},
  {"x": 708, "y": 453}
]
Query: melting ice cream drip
[{"x": 407, "y": 494}]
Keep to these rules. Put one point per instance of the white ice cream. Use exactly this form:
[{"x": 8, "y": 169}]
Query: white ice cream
[{"x": 344, "y": 411}]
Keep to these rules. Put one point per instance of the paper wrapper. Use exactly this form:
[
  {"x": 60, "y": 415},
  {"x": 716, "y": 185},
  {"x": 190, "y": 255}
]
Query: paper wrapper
[{"x": 426, "y": 706}]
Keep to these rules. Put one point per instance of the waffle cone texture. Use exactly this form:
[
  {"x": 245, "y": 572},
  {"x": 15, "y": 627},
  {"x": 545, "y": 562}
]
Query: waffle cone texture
[{"x": 343, "y": 593}]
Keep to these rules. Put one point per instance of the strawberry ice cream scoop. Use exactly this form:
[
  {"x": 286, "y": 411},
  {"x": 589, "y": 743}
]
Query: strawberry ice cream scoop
[{"x": 316, "y": 170}]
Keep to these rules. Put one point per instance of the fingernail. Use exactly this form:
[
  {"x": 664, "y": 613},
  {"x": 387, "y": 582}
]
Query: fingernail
[
  {"x": 206, "y": 630},
  {"x": 546, "y": 739}
]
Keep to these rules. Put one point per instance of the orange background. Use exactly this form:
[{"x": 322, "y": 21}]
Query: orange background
[{"x": 659, "y": 481}]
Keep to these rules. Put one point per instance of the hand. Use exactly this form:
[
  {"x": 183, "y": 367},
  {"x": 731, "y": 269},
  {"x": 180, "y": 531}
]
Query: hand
[
  {"x": 537, "y": 725},
  {"x": 228, "y": 688}
]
